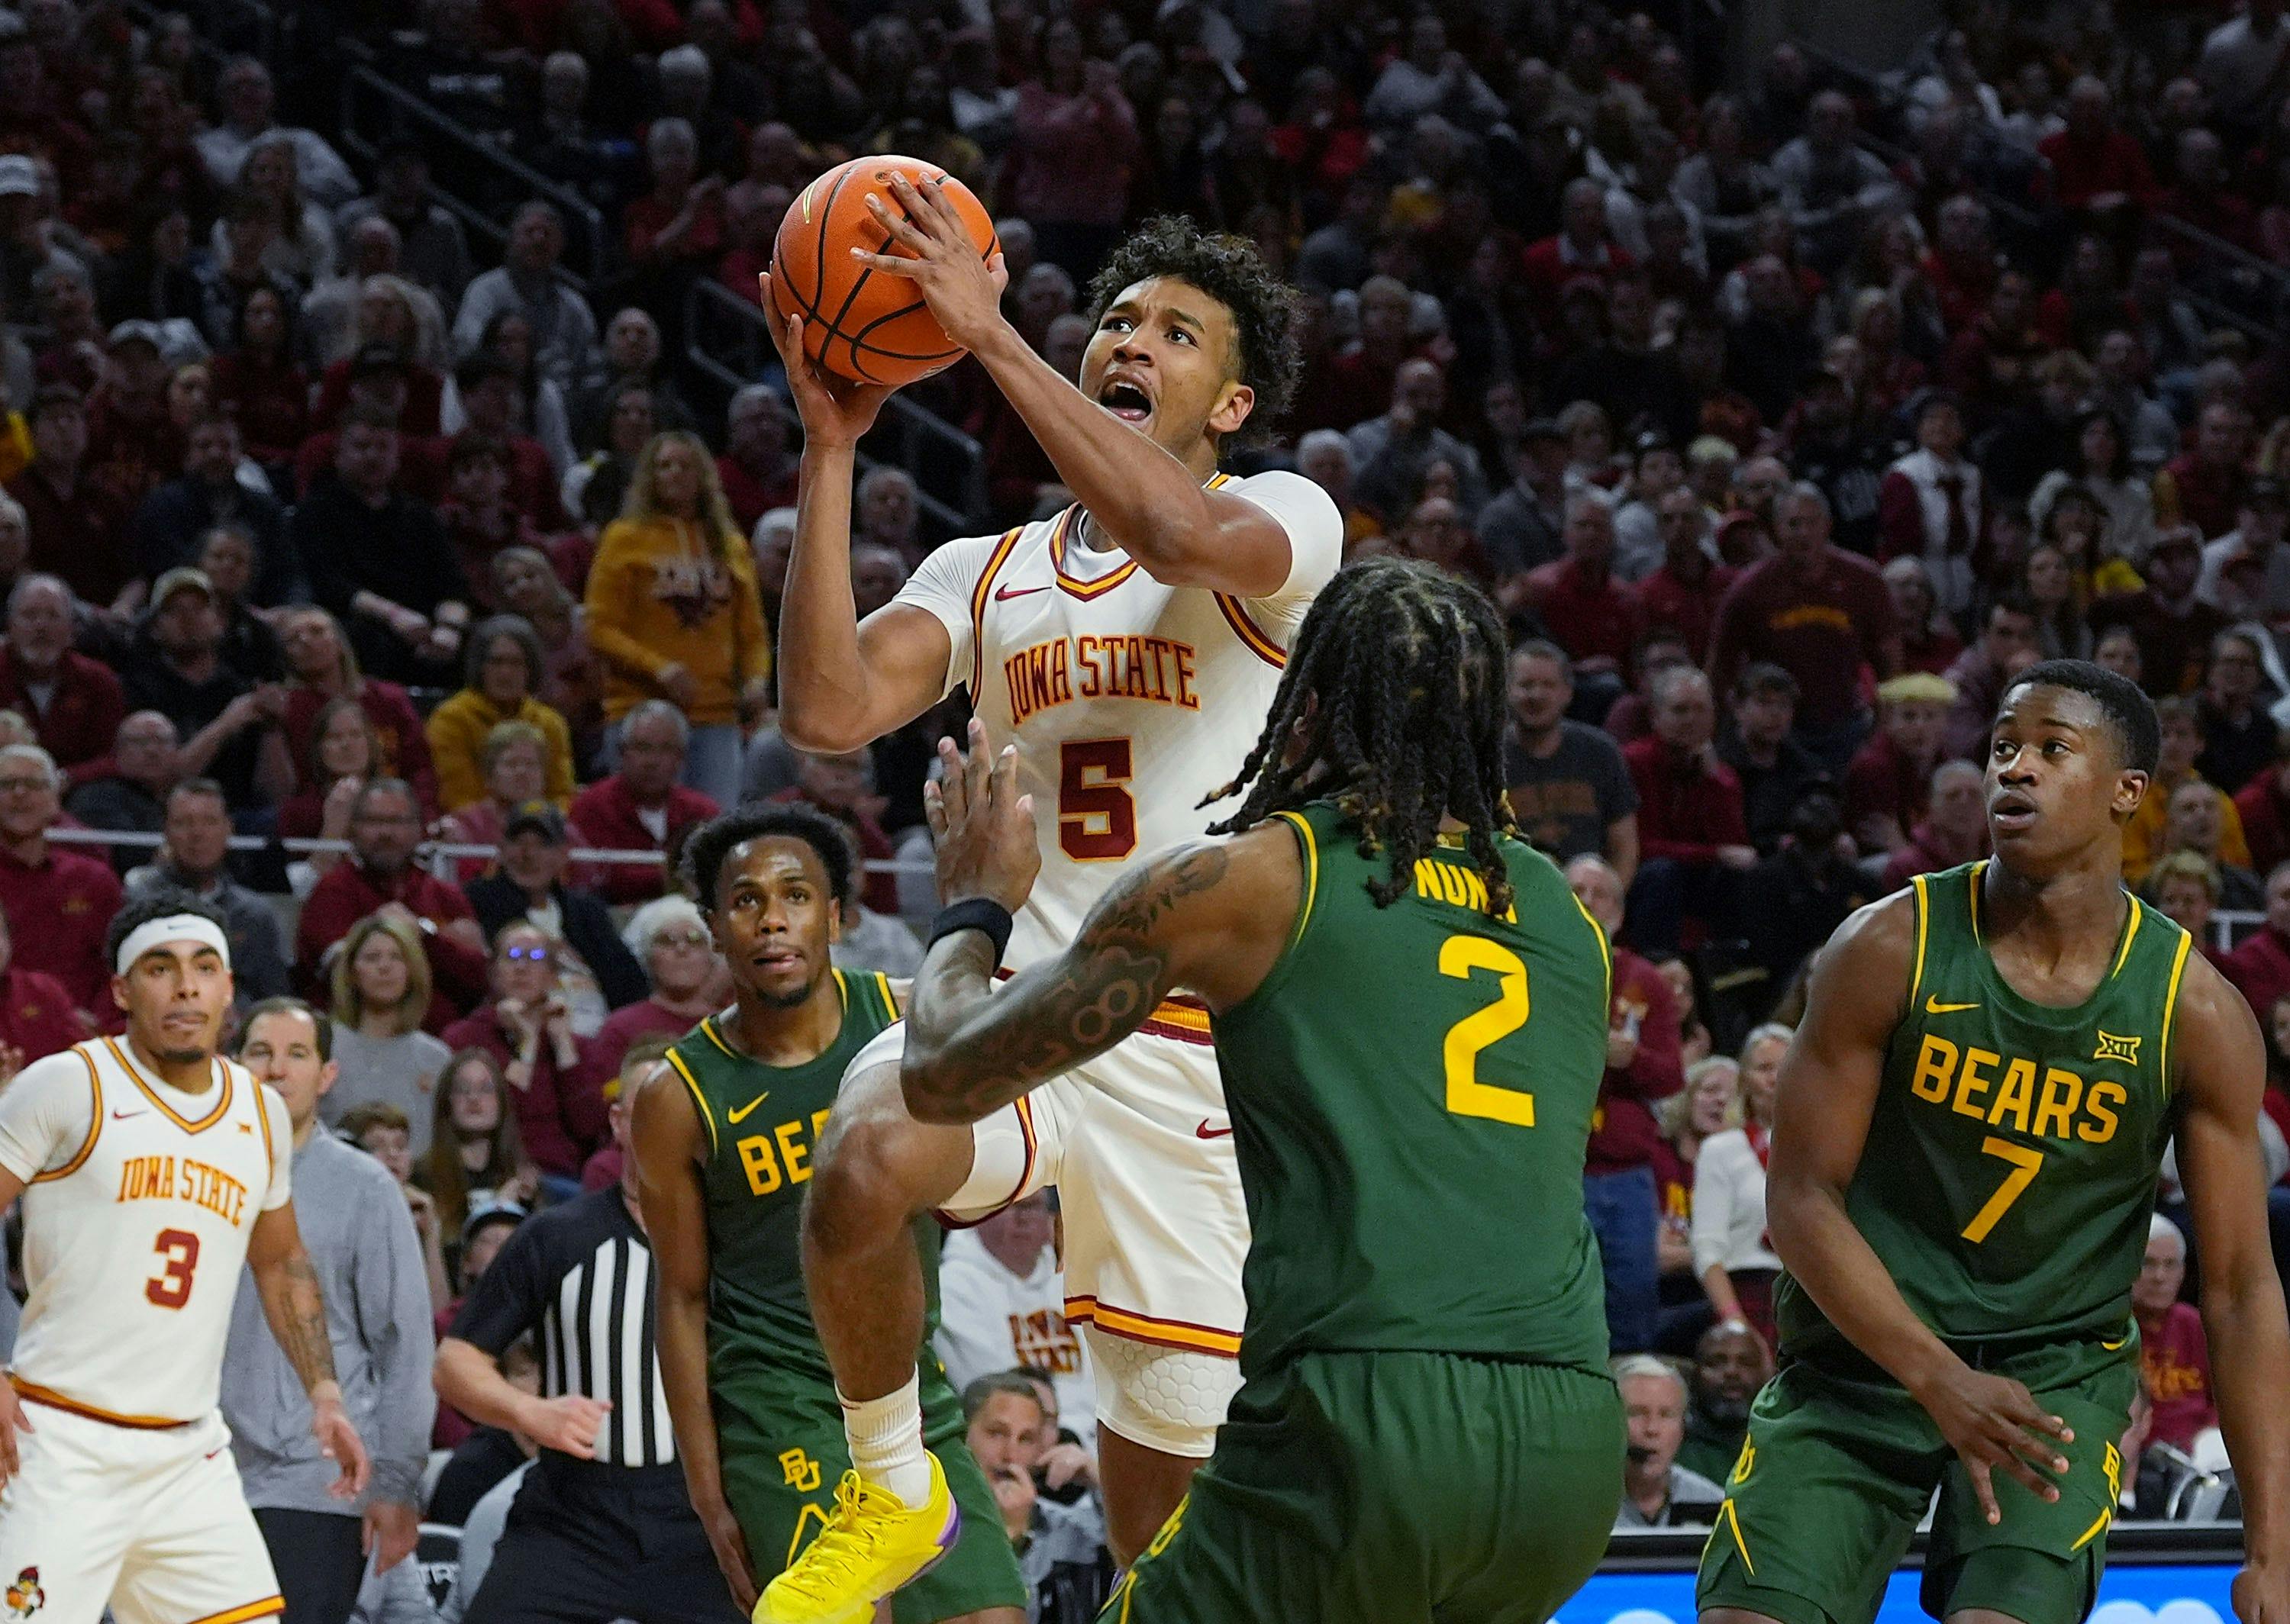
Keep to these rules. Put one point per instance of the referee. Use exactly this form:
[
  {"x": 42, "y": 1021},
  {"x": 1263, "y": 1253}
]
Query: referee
[{"x": 602, "y": 1528}]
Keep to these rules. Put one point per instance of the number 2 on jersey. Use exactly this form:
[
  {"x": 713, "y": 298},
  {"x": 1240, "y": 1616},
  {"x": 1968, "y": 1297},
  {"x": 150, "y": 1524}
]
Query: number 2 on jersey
[
  {"x": 170, "y": 1287},
  {"x": 1097, "y": 820},
  {"x": 2026, "y": 1164},
  {"x": 1467, "y": 1096}
]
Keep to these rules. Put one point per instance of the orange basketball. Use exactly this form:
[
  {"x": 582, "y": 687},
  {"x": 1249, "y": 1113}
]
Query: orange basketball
[{"x": 858, "y": 325}]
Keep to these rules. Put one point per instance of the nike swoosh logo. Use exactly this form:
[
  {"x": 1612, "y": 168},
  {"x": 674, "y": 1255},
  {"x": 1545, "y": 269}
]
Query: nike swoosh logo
[
  {"x": 1934, "y": 1006},
  {"x": 124, "y": 1115},
  {"x": 742, "y": 1114},
  {"x": 1205, "y": 1131},
  {"x": 1003, "y": 595}
]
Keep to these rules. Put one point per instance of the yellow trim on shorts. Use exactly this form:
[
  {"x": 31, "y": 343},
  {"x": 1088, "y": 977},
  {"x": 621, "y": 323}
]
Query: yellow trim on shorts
[
  {"x": 1144, "y": 1328},
  {"x": 1733, "y": 1520},
  {"x": 698, "y": 1098},
  {"x": 270, "y": 1607}
]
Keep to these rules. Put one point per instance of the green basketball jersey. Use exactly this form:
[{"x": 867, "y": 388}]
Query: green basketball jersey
[
  {"x": 1411, "y": 1091},
  {"x": 2011, "y": 1159},
  {"x": 763, "y": 1124}
]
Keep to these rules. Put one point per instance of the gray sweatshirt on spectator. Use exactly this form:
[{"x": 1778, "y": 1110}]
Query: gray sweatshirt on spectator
[{"x": 360, "y": 1236}]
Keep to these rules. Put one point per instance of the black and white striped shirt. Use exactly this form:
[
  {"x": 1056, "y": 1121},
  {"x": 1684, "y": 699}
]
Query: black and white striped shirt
[{"x": 578, "y": 1277}]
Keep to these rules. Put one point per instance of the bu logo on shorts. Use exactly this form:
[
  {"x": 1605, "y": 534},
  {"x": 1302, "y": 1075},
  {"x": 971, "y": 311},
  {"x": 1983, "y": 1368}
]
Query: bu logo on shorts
[{"x": 801, "y": 1471}]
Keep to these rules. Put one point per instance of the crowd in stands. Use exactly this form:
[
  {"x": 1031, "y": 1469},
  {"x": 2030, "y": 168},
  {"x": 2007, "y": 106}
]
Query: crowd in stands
[{"x": 1785, "y": 415}]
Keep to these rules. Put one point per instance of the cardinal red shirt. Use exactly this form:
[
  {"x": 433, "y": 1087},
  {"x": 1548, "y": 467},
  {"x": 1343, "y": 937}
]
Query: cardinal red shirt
[{"x": 59, "y": 909}]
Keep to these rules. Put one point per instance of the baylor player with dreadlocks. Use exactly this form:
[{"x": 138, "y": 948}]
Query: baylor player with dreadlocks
[
  {"x": 1411, "y": 1020},
  {"x": 1970, "y": 1121}
]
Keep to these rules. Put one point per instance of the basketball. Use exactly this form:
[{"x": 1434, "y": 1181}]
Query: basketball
[{"x": 856, "y": 324}]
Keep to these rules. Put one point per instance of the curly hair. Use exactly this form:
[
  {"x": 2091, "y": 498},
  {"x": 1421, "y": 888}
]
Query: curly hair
[
  {"x": 718, "y": 839},
  {"x": 1267, "y": 355},
  {"x": 1392, "y": 706}
]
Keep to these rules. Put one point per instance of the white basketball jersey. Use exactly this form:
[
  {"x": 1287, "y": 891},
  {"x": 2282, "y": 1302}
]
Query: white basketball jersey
[
  {"x": 139, "y": 1202},
  {"x": 1130, "y": 701}
]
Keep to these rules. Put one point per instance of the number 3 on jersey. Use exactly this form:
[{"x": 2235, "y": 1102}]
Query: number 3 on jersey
[
  {"x": 1097, "y": 820},
  {"x": 170, "y": 1287},
  {"x": 1467, "y": 1096}
]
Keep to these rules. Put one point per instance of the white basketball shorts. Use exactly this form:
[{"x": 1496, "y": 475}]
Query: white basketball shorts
[
  {"x": 1138, "y": 1146},
  {"x": 149, "y": 1522}
]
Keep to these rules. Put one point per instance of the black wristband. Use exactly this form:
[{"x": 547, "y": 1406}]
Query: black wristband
[{"x": 974, "y": 914}]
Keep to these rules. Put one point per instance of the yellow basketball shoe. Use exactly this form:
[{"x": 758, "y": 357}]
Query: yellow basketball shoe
[{"x": 871, "y": 1547}]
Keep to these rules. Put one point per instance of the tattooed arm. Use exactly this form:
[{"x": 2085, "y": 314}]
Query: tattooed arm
[
  {"x": 1210, "y": 917},
  {"x": 288, "y": 1285}
]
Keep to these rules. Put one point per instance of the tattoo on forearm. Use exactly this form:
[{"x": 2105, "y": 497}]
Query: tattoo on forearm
[
  {"x": 297, "y": 1319},
  {"x": 973, "y": 1053}
]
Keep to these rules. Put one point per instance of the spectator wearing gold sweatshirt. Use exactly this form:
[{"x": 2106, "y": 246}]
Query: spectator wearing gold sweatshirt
[{"x": 673, "y": 609}]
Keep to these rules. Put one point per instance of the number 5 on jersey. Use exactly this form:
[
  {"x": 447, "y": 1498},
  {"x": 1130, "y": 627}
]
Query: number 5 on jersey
[
  {"x": 1097, "y": 819},
  {"x": 1467, "y": 1096}
]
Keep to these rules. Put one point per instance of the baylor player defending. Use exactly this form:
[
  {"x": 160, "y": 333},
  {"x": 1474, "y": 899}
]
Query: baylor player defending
[
  {"x": 724, "y": 1138},
  {"x": 2014, "y": 1041},
  {"x": 1411, "y": 1020}
]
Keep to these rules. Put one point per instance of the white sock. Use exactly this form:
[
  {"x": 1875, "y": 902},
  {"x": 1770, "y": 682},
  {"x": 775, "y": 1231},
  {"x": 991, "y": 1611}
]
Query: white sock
[{"x": 885, "y": 1435}]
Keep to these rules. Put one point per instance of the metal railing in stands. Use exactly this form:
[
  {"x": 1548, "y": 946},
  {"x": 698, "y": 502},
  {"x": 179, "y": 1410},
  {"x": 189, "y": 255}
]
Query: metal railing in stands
[
  {"x": 223, "y": 29},
  {"x": 726, "y": 338},
  {"x": 440, "y": 855},
  {"x": 588, "y": 242}
]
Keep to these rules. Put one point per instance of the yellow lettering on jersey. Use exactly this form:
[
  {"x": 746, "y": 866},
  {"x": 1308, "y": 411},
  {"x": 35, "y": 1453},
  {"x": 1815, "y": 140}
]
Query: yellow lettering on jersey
[
  {"x": 2055, "y": 1111},
  {"x": 1457, "y": 887},
  {"x": 2015, "y": 1096},
  {"x": 1038, "y": 677},
  {"x": 2099, "y": 1122},
  {"x": 781, "y": 1157},
  {"x": 1935, "y": 1066},
  {"x": 761, "y": 1166},
  {"x": 148, "y": 1177},
  {"x": 1156, "y": 669},
  {"x": 818, "y": 1124},
  {"x": 215, "y": 1189},
  {"x": 1970, "y": 1086},
  {"x": 792, "y": 1153}
]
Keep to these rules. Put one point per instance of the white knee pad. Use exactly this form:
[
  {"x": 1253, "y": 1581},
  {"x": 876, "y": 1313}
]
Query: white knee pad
[{"x": 1172, "y": 1399}]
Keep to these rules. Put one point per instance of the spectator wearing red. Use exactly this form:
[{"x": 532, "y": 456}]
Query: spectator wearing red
[
  {"x": 527, "y": 1027},
  {"x": 2007, "y": 647},
  {"x": 1591, "y": 614},
  {"x": 486, "y": 388},
  {"x": 1684, "y": 591},
  {"x": 38, "y": 1015},
  {"x": 1954, "y": 828},
  {"x": 79, "y": 529},
  {"x": 481, "y": 523},
  {"x": 2095, "y": 165},
  {"x": 1888, "y": 783},
  {"x": 1074, "y": 144},
  {"x": 1620, "y": 1191},
  {"x": 2175, "y": 1359},
  {"x": 2199, "y": 195},
  {"x": 678, "y": 222},
  {"x": 2260, "y": 966},
  {"x": 1694, "y": 833},
  {"x": 384, "y": 828},
  {"x": 1819, "y": 614},
  {"x": 133, "y": 444},
  {"x": 1579, "y": 247},
  {"x": 757, "y": 470},
  {"x": 642, "y": 807},
  {"x": 2264, "y": 804},
  {"x": 843, "y": 786},
  {"x": 75, "y": 704},
  {"x": 669, "y": 937},
  {"x": 1360, "y": 376},
  {"x": 65, "y": 899},
  {"x": 1962, "y": 264},
  {"x": 321, "y": 668},
  {"x": 2203, "y": 486},
  {"x": 2168, "y": 618},
  {"x": 258, "y": 384}
]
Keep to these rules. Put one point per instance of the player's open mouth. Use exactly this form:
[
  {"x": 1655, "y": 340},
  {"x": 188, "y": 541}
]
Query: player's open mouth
[
  {"x": 1125, "y": 401},
  {"x": 777, "y": 961},
  {"x": 2011, "y": 811}
]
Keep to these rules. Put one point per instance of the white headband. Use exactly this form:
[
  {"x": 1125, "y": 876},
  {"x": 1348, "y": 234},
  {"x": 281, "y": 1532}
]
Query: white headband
[{"x": 174, "y": 927}]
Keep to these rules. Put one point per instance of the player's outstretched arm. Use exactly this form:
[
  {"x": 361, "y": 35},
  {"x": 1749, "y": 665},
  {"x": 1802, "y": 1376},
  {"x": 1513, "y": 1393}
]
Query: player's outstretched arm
[
  {"x": 1826, "y": 1094},
  {"x": 841, "y": 685},
  {"x": 288, "y": 1285},
  {"x": 1141, "y": 497},
  {"x": 669, "y": 1143},
  {"x": 1209, "y": 916},
  {"x": 2220, "y": 1066}
]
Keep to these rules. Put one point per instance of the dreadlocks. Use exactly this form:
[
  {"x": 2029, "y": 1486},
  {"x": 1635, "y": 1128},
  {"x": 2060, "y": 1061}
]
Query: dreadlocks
[{"x": 1392, "y": 707}]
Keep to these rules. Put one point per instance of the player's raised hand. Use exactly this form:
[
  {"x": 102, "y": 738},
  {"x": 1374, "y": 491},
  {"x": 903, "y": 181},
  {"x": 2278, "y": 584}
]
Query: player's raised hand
[
  {"x": 339, "y": 1442},
  {"x": 962, "y": 289},
  {"x": 983, "y": 826},
  {"x": 569, "y": 1425},
  {"x": 13, "y": 1421},
  {"x": 1995, "y": 1424},
  {"x": 836, "y": 413}
]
